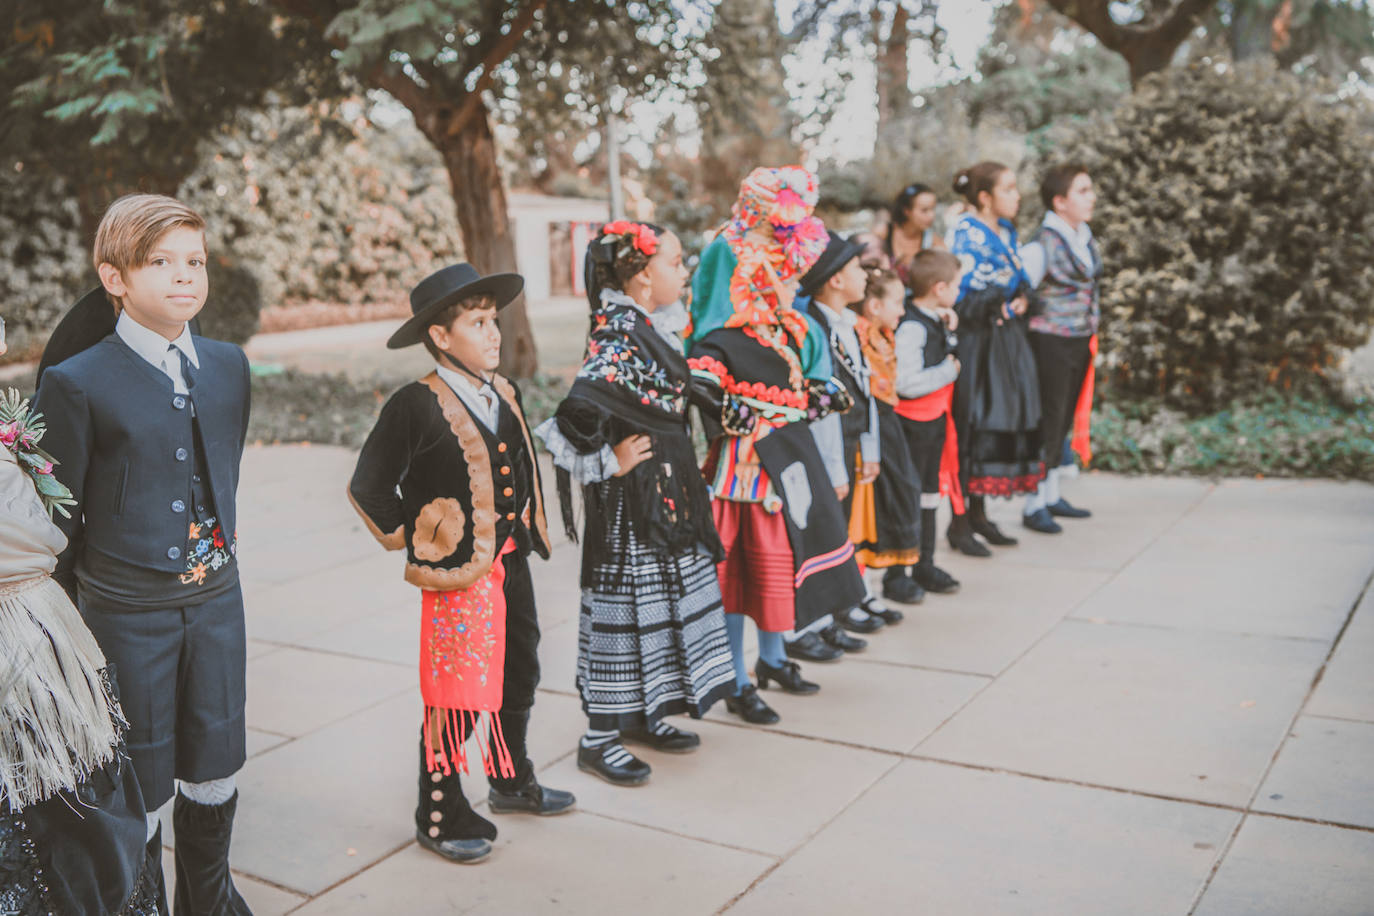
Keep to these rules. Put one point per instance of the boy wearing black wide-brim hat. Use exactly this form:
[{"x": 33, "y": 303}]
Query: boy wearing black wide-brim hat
[
  {"x": 449, "y": 475},
  {"x": 849, "y": 441}
]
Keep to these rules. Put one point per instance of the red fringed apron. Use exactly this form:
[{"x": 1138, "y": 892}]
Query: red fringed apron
[
  {"x": 931, "y": 407},
  {"x": 462, "y": 670},
  {"x": 1083, "y": 410}
]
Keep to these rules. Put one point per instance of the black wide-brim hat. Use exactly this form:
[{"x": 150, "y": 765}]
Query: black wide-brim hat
[
  {"x": 839, "y": 251},
  {"x": 446, "y": 286}
]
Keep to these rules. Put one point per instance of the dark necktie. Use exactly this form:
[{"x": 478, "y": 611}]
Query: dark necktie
[{"x": 188, "y": 370}]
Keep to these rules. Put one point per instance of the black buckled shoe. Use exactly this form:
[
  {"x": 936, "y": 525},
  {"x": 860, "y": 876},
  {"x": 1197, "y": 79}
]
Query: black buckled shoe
[
  {"x": 465, "y": 852},
  {"x": 961, "y": 538},
  {"x": 668, "y": 739},
  {"x": 867, "y": 624},
  {"x": 886, "y": 614},
  {"x": 1063, "y": 509},
  {"x": 934, "y": 579},
  {"x": 750, "y": 707},
  {"x": 613, "y": 763},
  {"x": 530, "y": 798},
  {"x": 787, "y": 676},
  {"x": 1041, "y": 520},
  {"x": 811, "y": 648},
  {"x": 841, "y": 640}
]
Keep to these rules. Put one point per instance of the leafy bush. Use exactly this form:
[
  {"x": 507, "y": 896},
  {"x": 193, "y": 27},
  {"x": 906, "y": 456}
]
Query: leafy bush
[
  {"x": 1236, "y": 217},
  {"x": 47, "y": 263},
  {"x": 1271, "y": 435},
  {"x": 322, "y": 208},
  {"x": 235, "y": 302}
]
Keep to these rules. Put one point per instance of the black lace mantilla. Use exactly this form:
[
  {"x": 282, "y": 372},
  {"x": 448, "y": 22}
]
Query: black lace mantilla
[{"x": 23, "y": 888}]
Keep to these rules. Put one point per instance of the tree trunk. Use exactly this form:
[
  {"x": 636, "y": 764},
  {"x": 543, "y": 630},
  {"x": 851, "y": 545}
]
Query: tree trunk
[
  {"x": 479, "y": 195},
  {"x": 1148, "y": 57},
  {"x": 894, "y": 96}
]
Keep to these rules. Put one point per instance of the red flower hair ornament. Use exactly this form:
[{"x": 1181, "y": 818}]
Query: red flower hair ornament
[{"x": 639, "y": 235}]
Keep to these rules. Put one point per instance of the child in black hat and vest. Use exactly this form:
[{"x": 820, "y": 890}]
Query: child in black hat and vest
[
  {"x": 148, "y": 425},
  {"x": 849, "y": 442},
  {"x": 449, "y": 475}
]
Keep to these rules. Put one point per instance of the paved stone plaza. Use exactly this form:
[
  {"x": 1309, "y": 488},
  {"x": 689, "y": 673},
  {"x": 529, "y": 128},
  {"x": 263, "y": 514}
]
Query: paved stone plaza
[{"x": 1121, "y": 719}]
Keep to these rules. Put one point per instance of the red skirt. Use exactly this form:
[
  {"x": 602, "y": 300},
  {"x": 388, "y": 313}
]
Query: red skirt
[{"x": 758, "y": 576}]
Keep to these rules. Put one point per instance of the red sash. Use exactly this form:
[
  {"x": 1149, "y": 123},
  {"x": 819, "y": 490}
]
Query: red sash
[
  {"x": 931, "y": 407},
  {"x": 463, "y": 670},
  {"x": 1083, "y": 410}
]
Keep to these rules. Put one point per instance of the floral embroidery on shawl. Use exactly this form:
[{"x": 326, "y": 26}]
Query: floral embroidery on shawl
[
  {"x": 613, "y": 357},
  {"x": 988, "y": 260}
]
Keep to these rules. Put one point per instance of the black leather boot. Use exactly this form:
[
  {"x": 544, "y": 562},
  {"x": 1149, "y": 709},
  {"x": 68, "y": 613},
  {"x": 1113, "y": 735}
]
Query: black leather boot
[
  {"x": 445, "y": 823},
  {"x": 929, "y": 576},
  {"x": 204, "y": 885},
  {"x": 522, "y": 793},
  {"x": 982, "y": 525},
  {"x": 961, "y": 538}
]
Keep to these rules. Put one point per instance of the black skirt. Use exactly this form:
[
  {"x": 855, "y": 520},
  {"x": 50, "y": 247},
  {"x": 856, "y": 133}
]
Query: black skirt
[
  {"x": 997, "y": 411},
  {"x": 885, "y": 521}
]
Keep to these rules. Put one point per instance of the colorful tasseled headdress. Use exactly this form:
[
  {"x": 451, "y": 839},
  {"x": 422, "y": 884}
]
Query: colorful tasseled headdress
[{"x": 780, "y": 200}]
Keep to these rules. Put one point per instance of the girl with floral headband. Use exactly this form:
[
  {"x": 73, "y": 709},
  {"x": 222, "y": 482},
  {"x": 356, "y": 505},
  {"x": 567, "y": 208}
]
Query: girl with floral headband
[
  {"x": 788, "y": 560},
  {"x": 651, "y": 631}
]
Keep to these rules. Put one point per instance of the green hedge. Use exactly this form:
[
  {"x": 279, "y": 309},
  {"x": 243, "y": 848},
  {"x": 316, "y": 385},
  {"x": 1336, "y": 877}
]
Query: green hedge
[{"x": 1272, "y": 435}]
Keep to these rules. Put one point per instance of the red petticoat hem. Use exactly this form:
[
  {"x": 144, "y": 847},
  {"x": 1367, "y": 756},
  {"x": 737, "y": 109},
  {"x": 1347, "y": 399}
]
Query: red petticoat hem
[{"x": 1006, "y": 486}]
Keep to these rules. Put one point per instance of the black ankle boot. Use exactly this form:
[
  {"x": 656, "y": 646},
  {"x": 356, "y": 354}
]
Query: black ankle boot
[
  {"x": 445, "y": 823},
  {"x": 982, "y": 525},
  {"x": 961, "y": 538},
  {"x": 522, "y": 793},
  {"x": 204, "y": 885},
  {"x": 925, "y": 573}
]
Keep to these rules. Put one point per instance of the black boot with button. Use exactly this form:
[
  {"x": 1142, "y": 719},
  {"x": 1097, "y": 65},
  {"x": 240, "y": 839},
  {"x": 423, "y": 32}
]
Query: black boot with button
[{"x": 445, "y": 823}]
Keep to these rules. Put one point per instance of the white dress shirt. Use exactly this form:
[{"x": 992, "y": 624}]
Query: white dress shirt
[
  {"x": 842, "y": 326},
  {"x": 155, "y": 348},
  {"x": 483, "y": 402}
]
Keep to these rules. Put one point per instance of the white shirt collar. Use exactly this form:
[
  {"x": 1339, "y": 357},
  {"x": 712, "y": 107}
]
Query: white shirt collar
[
  {"x": 845, "y": 318},
  {"x": 1080, "y": 236},
  {"x": 151, "y": 345},
  {"x": 472, "y": 396}
]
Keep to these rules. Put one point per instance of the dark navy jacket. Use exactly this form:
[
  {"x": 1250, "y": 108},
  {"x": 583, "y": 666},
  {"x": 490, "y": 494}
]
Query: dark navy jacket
[{"x": 125, "y": 447}]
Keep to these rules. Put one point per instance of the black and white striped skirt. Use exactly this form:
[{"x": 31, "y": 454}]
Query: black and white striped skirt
[{"x": 651, "y": 636}]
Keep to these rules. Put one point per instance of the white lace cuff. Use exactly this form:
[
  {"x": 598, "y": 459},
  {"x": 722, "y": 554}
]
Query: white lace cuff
[{"x": 584, "y": 468}]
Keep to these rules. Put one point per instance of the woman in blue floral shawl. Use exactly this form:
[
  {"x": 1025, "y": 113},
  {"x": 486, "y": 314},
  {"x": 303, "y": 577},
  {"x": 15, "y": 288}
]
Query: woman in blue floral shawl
[
  {"x": 651, "y": 633},
  {"x": 997, "y": 396}
]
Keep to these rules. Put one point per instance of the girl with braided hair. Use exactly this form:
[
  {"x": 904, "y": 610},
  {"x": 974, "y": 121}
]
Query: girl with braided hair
[{"x": 651, "y": 632}]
